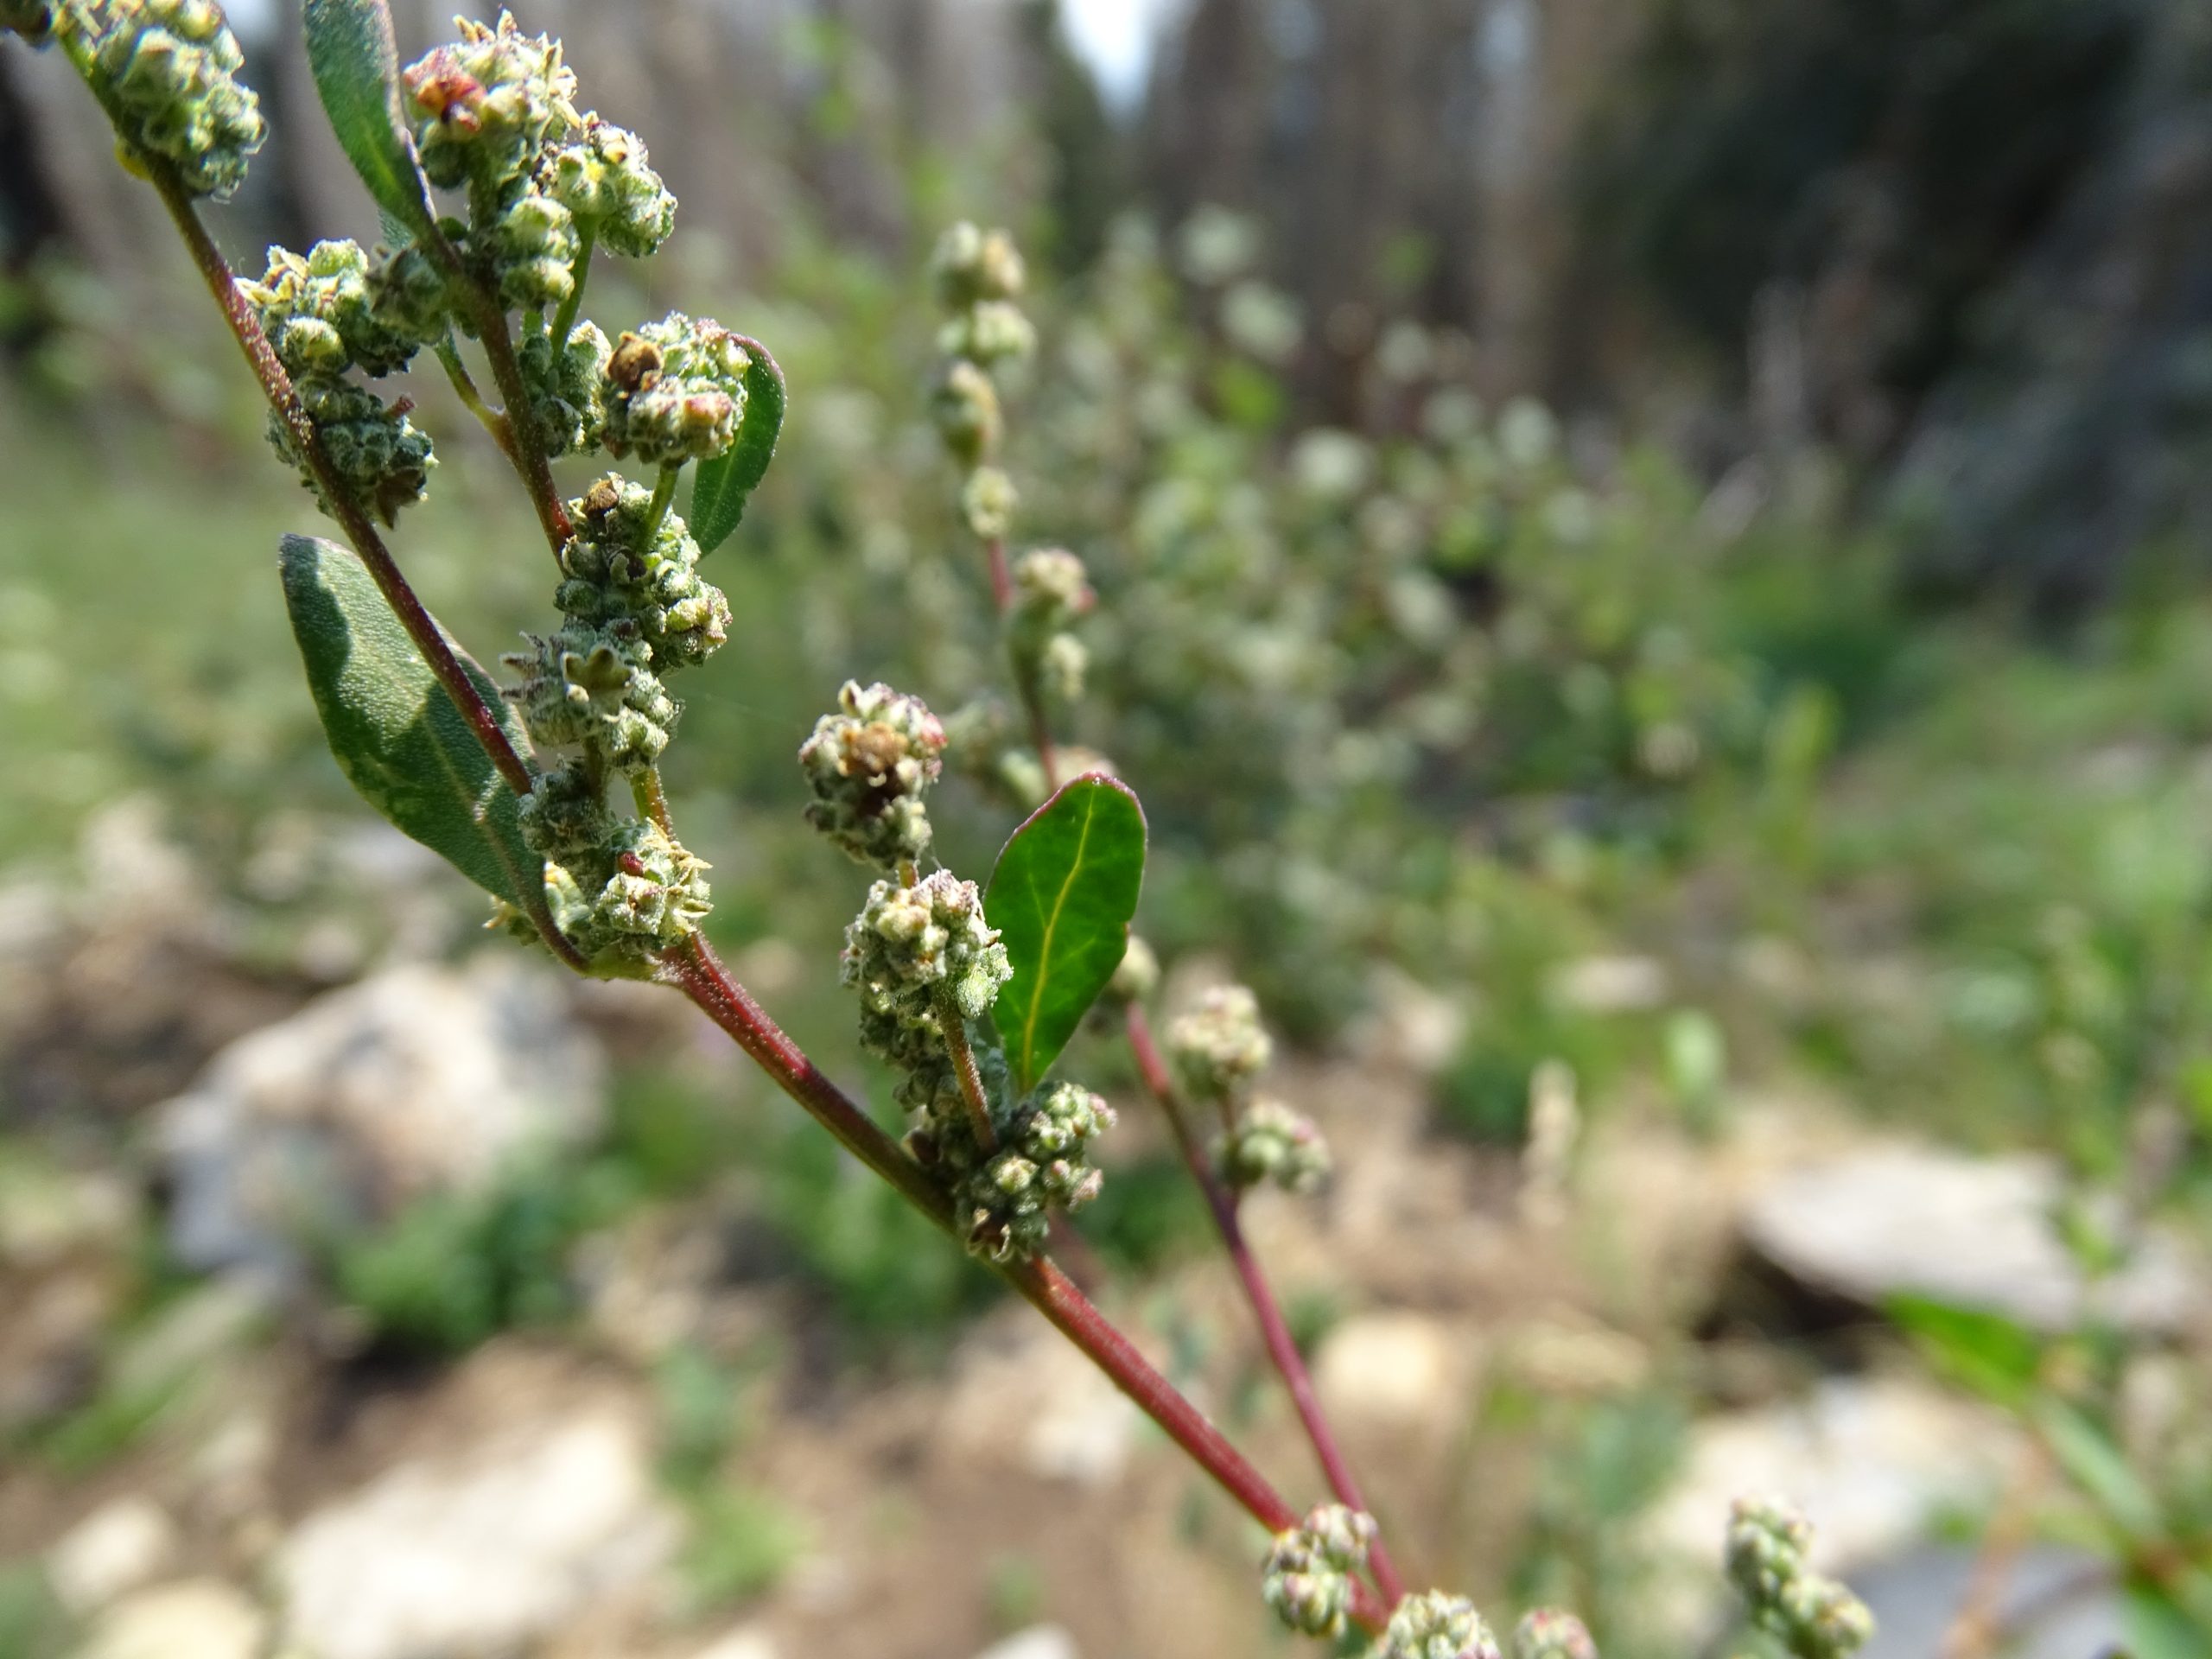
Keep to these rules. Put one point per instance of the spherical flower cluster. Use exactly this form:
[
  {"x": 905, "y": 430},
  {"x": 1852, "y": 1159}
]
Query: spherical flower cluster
[
  {"x": 382, "y": 459},
  {"x": 619, "y": 579},
  {"x": 989, "y": 332},
  {"x": 408, "y": 293},
  {"x": 868, "y": 764},
  {"x": 591, "y": 686},
  {"x": 1273, "y": 1143},
  {"x": 319, "y": 316},
  {"x": 1051, "y": 586},
  {"x": 675, "y": 391},
  {"x": 1434, "y": 1625},
  {"x": 485, "y": 107},
  {"x": 170, "y": 69},
  {"x": 1547, "y": 1633},
  {"x": 988, "y": 501},
  {"x": 1006, "y": 1203},
  {"x": 965, "y": 406},
  {"x": 601, "y": 177},
  {"x": 638, "y": 892},
  {"x": 567, "y": 388},
  {"x": 528, "y": 250},
  {"x": 1139, "y": 975},
  {"x": 913, "y": 951},
  {"x": 1814, "y": 1616},
  {"x": 972, "y": 267},
  {"x": 1219, "y": 1045},
  {"x": 1308, "y": 1570}
]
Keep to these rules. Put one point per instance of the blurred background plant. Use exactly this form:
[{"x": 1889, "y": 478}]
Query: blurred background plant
[{"x": 1651, "y": 571}]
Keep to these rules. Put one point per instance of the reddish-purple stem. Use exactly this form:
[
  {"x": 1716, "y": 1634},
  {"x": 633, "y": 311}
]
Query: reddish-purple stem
[
  {"x": 695, "y": 969},
  {"x": 1275, "y": 1331}
]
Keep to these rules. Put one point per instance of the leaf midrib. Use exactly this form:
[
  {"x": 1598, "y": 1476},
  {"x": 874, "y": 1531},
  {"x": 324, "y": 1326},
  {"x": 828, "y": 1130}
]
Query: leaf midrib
[{"x": 1045, "y": 948}]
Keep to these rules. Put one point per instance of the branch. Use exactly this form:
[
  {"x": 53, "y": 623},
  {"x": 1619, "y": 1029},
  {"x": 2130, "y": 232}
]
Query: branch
[
  {"x": 1275, "y": 1331},
  {"x": 527, "y": 452},
  {"x": 694, "y": 967}
]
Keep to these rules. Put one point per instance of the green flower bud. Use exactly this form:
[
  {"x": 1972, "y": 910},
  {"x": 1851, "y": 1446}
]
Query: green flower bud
[
  {"x": 485, "y": 107},
  {"x": 1139, "y": 975},
  {"x": 965, "y": 407},
  {"x": 170, "y": 69},
  {"x": 1273, "y": 1143},
  {"x": 407, "y": 296},
  {"x": 1219, "y": 1045},
  {"x": 1061, "y": 666},
  {"x": 382, "y": 459},
  {"x": 988, "y": 501},
  {"x": 1547, "y": 1633},
  {"x": 1051, "y": 588},
  {"x": 319, "y": 317},
  {"x": 564, "y": 818},
  {"x": 1815, "y": 1617},
  {"x": 1308, "y": 1570},
  {"x": 987, "y": 333},
  {"x": 1434, "y": 1626},
  {"x": 970, "y": 267},
  {"x": 529, "y": 252},
  {"x": 869, "y": 765},
  {"x": 675, "y": 391},
  {"x": 1044, "y": 1165},
  {"x": 568, "y": 388},
  {"x": 615, "y": 577},
  {"x": 603, "y": 178},
  {"x": 919, "y": 947},
  {"x": 641, "y": 894},
  {"x": 590, "y": 685}
]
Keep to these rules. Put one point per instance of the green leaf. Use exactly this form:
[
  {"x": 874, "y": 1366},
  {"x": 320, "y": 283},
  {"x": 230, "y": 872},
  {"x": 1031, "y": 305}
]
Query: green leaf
[
  {"x": 1061, "y": 898},
  {"x": 2156, "y": 1629},
  {"x": 1994, "y": 1357},
  {"x": 2100, "y": 1468},
  {"x": 726, "y": 483},
  {"x": 356, "y": 72},
  {"x": 397, "y": 736}
]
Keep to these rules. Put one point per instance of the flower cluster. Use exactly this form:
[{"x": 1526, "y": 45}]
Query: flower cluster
[
  {"x": 1272, "y": 1143},
  {"x": 1813, "y": 1616},
  {"x": 978, "y": 276},
  {"x": 1005, "y": 1199},
  {"x": 1307, "y": 1574},
  {"x": 1051, "y": 590},
  {"x": 567, "y": 388},
  {"x": 168, "y": 70},
  {"x": 675, "y": 391},
  {"x": 869, "y": 765},
  {"x": 1434, "y": 1625},
  {"x": 601, "y": 177},
  {"x": 1220, "y": 1045},
  {"x": 1549, "y": 1633},
  {"x": 322, "y": 321}
]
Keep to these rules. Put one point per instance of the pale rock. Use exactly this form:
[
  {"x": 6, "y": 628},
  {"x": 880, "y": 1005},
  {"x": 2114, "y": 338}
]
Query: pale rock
[
  {"x": 1026, "y": 1399},
  {"x": 1038, "y": 1642},
  {"x": 192, "y": 1618},
  {"x": 1611, "y": 984},
  {"x": 482, "y": 1553},
  {"x": 423, "y": 1079},
  {"x": 1974, "y": 1231},
  {"x": 1393, "y": 1370},
  {"x": 746, "y": 1642},
  {"x": 116, "y": 1548}
]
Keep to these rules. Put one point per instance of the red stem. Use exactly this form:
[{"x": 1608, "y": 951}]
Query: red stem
[
  {"x": 1001, "y": 578},
  {"x": 694, "y": 968},
  {"x": 1275, "y": 1331},
  {"x": 524, "y": 450},
  {"x": 429, "y": 640}
]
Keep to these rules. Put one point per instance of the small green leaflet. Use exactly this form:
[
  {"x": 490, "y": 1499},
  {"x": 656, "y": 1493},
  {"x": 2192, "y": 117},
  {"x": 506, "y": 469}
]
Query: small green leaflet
[
  {"x": 357, "y": 74},
  {"x": 1061, "y": 898},
  {"x": 397, "y": 736},
  {"x": 723, "y": 485}
]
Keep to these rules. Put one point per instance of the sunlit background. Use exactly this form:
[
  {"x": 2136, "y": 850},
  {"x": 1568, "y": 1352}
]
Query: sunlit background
[{"x": 1651, "y": 564}]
